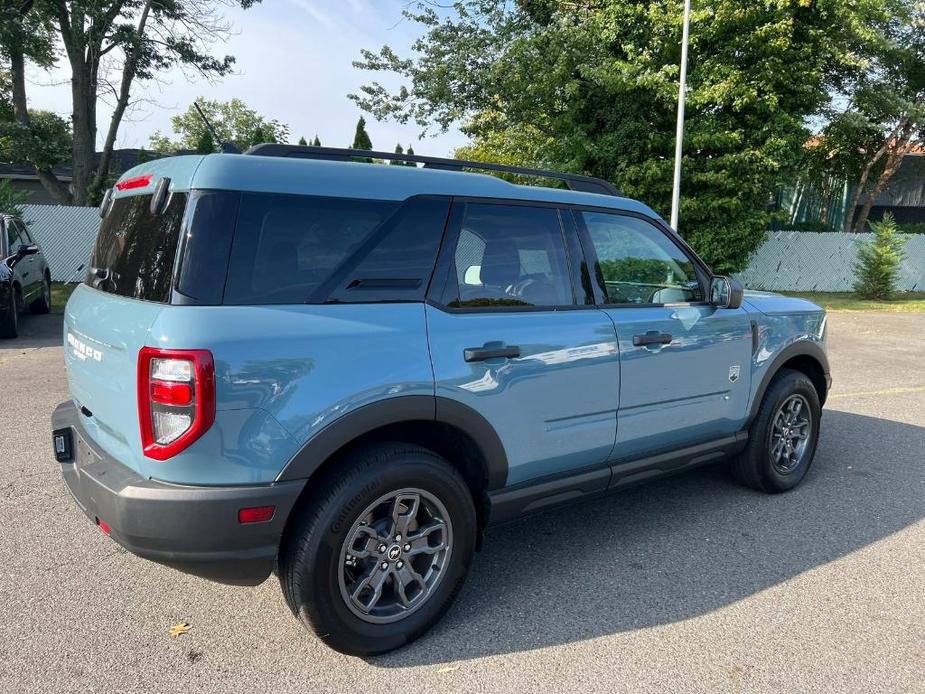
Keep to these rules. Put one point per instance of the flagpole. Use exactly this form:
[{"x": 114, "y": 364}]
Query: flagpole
[{"x": 679, "y": 132}]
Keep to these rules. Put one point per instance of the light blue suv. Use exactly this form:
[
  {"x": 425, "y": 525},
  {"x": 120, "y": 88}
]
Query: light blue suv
[{"x": 342, "y": 372}]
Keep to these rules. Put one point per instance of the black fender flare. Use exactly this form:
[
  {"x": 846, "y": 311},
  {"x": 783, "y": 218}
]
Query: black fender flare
[
  {"x": 796, "y": 349},
  {"x": 400, "y": 410}
]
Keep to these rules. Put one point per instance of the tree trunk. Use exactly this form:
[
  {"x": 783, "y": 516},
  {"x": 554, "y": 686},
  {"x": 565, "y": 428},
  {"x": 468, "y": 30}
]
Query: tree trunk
[
  {"x": 825, "y": 190},
  {"x": 49, "y": 181},
  {"x": 865, "y": 174},
  {"x": 128, "y": 75},
  {"x": 893, "y": 163},
  {"x": 84, "y": 130}
]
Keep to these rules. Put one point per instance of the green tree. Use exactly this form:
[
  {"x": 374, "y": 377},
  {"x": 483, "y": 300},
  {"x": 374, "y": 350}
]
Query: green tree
[
  {"x": 411, "y": 153},
  {"x": 205, "y": 142},
  {"x": 303, "y": 142},
  {"x": 592, "y": 87},
  {"x": 887, "y": 106},
  {"x": 115, "y": 42},
  {"x": 11, "y": 198},
  {"x": 233, "y": 121},
  {"x": 879, "y": 261},
  {"x": 361, "y": 140},
  {"x": 316, "y": 142},
  {"x": 398, "y": 162}
]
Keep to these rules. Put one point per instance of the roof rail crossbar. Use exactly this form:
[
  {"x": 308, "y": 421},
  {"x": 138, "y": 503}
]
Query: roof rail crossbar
[{"x": 576, "y": 182}]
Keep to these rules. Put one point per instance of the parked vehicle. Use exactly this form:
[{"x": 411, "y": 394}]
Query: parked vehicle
[
  {"x": 25, "y": 280},
  {"x": 345, "y": 372}
]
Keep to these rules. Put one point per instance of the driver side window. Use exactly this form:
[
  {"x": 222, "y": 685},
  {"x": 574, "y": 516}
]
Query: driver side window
[{"x": 638, "y": 263}]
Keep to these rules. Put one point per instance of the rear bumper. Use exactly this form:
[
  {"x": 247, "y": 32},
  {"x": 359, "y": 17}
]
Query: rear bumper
[{"x": 193, "y": 529}]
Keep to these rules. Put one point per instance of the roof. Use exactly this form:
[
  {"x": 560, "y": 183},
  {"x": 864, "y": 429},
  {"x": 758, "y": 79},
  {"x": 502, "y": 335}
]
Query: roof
[
  {"x": 66, "y": 235},
  {"x": 351, "y": 180}
]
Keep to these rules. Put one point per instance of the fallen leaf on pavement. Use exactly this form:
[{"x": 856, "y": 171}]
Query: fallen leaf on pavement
[{"x": 180, "y": 628}]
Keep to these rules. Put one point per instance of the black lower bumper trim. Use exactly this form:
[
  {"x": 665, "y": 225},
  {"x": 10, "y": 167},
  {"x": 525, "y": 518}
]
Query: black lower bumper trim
[{"x": 193, "y": 529}]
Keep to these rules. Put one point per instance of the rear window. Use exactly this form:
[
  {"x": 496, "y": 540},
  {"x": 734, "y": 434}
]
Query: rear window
[
  {"x": 135, "y": 250},
  {"x": 287, "y": 246}
]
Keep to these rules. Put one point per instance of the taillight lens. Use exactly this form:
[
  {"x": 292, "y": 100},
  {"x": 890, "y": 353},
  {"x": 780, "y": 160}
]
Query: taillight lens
[{"x": 176, "y": 398}]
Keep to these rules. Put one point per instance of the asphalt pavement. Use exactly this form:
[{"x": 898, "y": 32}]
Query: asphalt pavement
[{"x": 688, "y": 584}]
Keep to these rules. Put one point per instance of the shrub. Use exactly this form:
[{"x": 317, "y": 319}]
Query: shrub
[
  {"x": 10, "y": 198},
  {"x": 879, "y": 259},
  {"x": 913, "y": 228}
]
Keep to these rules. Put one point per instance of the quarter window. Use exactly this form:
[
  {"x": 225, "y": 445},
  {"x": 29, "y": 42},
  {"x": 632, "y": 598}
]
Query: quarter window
[
  {"x": 511, "y": 255},
  {"x": 286, "y": 246},
  {"x": 638, "y": 263}
]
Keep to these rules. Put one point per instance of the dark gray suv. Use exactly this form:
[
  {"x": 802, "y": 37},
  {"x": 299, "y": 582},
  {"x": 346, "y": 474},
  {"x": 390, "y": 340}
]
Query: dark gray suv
[{"x": 25, "y": 281}]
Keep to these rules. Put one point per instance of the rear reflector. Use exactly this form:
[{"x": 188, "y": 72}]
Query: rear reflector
[
  {"x": 104, "y": 526},
  {"x": 256, "y": 514},
  {"x": 135, "y": 182}
]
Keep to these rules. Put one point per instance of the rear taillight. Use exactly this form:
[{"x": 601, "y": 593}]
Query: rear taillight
[{"x": 176, "y": 398}]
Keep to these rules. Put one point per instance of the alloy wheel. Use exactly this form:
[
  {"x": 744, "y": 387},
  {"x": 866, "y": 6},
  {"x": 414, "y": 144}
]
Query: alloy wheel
[
  {"x": 395, "y": 555},
  {"x": 790, "y": 434}
]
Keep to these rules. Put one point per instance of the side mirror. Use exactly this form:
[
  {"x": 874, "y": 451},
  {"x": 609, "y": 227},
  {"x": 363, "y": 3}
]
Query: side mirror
[
  {"x": 725, "y": 292},
  {"x": 27, "y": 249}
]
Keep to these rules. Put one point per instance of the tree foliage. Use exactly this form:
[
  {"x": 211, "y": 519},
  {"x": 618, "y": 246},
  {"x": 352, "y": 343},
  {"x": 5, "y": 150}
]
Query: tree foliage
[
  {"x": 592, "y": 87},
  {"x": 109, "y": 45},
  {"x": 361, "y": 140},
  {"x": 233, "y": 121},
  {"x": 879, "y": 261},
  {"x": 11, "y": 198},
  {"x": 885, "y": 116}
]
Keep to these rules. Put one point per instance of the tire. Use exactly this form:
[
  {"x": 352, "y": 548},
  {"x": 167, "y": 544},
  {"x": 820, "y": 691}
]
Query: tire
[
  {"x": 9, "y": 321},
  {"x": 766, "y": 464},
  {"x": 315, "y": 570},
  {"x": 43, "y": 303}
]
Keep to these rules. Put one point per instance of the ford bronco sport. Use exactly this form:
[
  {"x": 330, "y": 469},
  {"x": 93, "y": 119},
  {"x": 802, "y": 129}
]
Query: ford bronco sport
[{"x": 342, "y": 372}]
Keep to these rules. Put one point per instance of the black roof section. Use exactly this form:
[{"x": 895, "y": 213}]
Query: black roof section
[{"x": 576, "y": 182}]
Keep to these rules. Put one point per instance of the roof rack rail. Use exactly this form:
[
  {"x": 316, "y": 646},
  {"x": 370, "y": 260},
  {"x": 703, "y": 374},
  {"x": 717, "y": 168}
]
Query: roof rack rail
[{"x": 577, "y": 182}]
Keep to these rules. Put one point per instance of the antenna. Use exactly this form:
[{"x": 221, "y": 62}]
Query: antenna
[{"x": 227, "y": 147}]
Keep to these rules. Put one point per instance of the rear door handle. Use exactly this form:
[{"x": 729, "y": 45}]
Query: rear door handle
[
  {"x": 483, "y": 353},
  {"x": 651, "y": 339}
]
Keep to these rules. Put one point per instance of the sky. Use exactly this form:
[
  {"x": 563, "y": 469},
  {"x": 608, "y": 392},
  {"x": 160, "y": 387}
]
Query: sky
[{"x": 293, "y": 64}]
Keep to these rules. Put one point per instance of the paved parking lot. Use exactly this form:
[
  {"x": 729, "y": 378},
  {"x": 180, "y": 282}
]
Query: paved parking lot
[{"x": 688, "y": 584}]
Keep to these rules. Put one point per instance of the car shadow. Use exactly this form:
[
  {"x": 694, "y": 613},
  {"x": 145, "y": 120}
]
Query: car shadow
[
  {"x": 676, "y": 548},
  {"x": 35, "y": 331}
]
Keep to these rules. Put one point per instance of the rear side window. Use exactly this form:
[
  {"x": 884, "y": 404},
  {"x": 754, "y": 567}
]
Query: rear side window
[
  {"x": 287, "y": 248},
  {"x": 135, "y": 250}
]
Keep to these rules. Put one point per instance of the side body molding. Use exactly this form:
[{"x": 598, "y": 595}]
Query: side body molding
[
  {"x": 802, "y": 348},
  {"x": 400, "y": 410}
]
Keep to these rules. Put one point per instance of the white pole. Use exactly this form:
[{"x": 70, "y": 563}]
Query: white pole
[{"x": 679, "y": 133}]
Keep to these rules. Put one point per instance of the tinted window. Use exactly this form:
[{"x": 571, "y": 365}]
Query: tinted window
[
  {"x": 23, "y": 233},
  {"x": 396, "y": 262},
  {"x": 638, "y": 263},
  {"x": 135, "y": 250},
  {"x": 12, "y": 237},
  {"x": 206, "y": 244},
  {"x": 511, "y": 255},
  {"x": 286, "y": 246}
]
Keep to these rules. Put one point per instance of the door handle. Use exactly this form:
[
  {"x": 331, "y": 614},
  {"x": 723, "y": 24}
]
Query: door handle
[
  {"x": 483, "y": 353},
  {"x": 651, "y": 339}
]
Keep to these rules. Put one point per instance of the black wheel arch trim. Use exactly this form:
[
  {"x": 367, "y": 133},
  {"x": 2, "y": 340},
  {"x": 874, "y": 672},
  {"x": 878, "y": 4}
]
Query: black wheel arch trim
[
  {"x": 400, "y": 410},
  {"x": 802, "y": 348}
]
